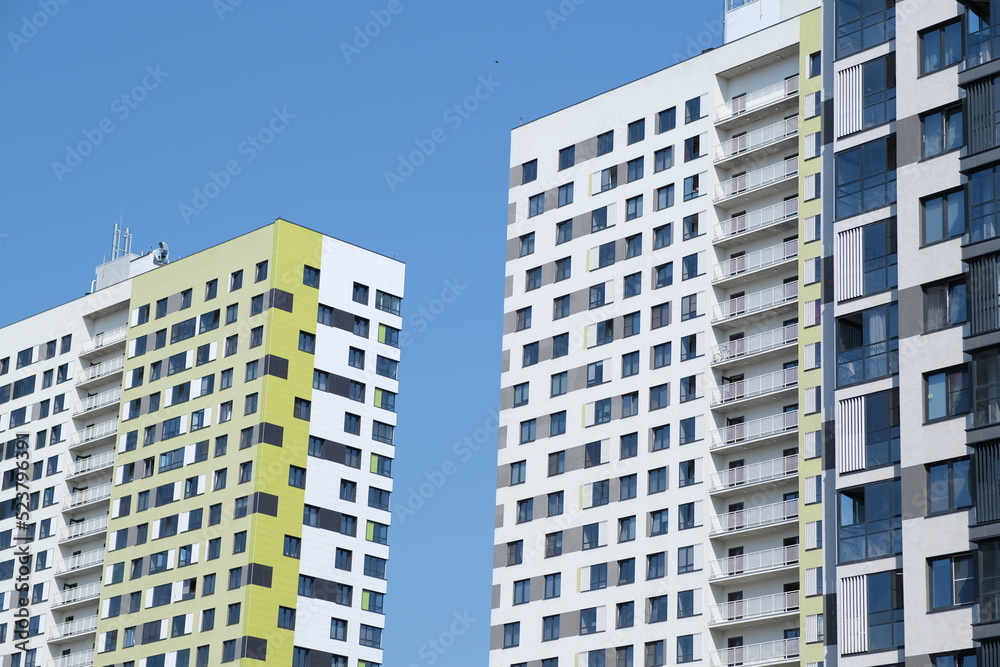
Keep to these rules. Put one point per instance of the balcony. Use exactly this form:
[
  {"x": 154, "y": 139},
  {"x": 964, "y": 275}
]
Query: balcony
[
  {"x": 77, "y": 531},
  {"x": 752, "y": 185},
  {"x": 74, "y": 628},
  {"x": 105, "y": 340},
  {"x": 773, "y": 427},
  {"x": 77, "y": 595},
  {"x": 767, "y": 653},
  {"x": 93, "y": 435},
  {"x": 91, "y": 464},
  {"x": 753, "y": 609},
  {"x": 868, "y": 362},
  {"x": 102, "y": 371},
  {"x": 763, "y": 516},
  {"x": 744, "y": 268},
  {"x": 744, "y": 350},
  {"x": 102, "y": 402},
  {"x": 757, "y": 562},
  {"x": 981, "y": 47},
  {"x": 81, "y": 659},
  {"x": 772, "y": 99},
  {"x": 741, "y": 228},
  {"x": 745, "y": 146},
  {"x": 78, "y": 562},
  {"x": 746, "y": 391},
  {"x": 87, "y": 496},
  {"x": 751, "y": 475},
  {"x": 741, "y": 306}
]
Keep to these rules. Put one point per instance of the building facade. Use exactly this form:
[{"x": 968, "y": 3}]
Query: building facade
[
  {"x": 749, "y": 383},
  {"x": 208, "y": 447}
]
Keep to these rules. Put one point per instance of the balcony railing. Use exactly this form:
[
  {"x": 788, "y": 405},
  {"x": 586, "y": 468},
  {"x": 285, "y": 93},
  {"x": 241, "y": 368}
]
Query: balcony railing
[
  {"x": 736, "y": 4},
  {"x": 756, "y": 429},
  {"x": 756, "y": 343},
  {"x": 90, "y": 495},
  {"x": 757, "y": 179},
  {"x": 96, "y": 462},
  {"x": 84, "y": 528},
  {"x": 79, "y": 659},
  {"x": 759, "y": 219},
  {"x": 96, "y": 432},
  {"x": 755, "y": 517},
  {"x": 766, "y": 653},
  {"x": 102, "y": 369},
  {"x": 77, "y": 626},
  {"x": 757, "y": 139},
  {"x": 757, "y": 301},
  {"x": 757, "y": 260},
  {"x": 80, "y": 561},
  {"x": 982, "y": 46},
  {"x": 766, "y": 605},
  {"x": 77, "y": 594},
  {"x": 757, "y": 561},
  {"x": 757, "y": 99},
  {"x": 868, "y": 362},
  {"x": 755, "y": 473},
  {"x": 104, "y": 339},
  {"x": 101, "y": 400},
  {"x": 758, "y": 385}
]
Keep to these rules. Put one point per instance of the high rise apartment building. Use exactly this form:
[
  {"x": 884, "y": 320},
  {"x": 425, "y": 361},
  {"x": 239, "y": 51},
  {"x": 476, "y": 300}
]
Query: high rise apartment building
[
  {"x": 749, "y": 399},
  {"x": 204, "y": 449}
]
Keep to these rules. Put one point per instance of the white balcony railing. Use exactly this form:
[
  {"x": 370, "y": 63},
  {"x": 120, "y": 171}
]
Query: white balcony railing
[
  {"x": 759, "y": 178},
  {"x": 754, "y": 517},
  {"x": 105, "y": 338},
  {"x": 756, "y": 343},
  {"x": 98, "y": 401},
  {"x": 766, "y": 605},
  {"x": 93, "y": 494},
  {"x": 757, "y": 99},
  {"x": 757, "y": 260},
  {"x": 759, "y": 385},
  {"x": 755, "y": 473},
  {"x": 79, "y": 561},
  {"x": 89, "y": 527},
  {"x": 756, "y": 561},
  {"x": 760, "y": 138},
  {"x": 96, "y": 432},
  {"x": 759, "y": 219},
  {"x": 77, "y": 626},
  {"x": 100, "y": 370},
  {"x": 756, "y": 301},
  {"x": 77, "y": 594},
  {"x": 79, "y": 659},
  {"x": 96, "y": 462},
  {"x": 755, "y": 429},
  {"x": 766, "y": 653}
]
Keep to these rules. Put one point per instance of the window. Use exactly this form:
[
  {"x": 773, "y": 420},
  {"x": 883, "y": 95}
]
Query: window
[
  {"x": 691, "y": 187},
  {"x": 665, "y": 198},
  {"x": 636, "y": 131},
  {"x": 663, "y": 159},
  {"x": 689, "y": 267},
  {"x": 511, "y": 635},
  {"x": 692, "y": 110},
  {"x": 260, "y": 271},
  {"x": 870, "y": 521},
  {"x": 691, "y": 227},
  {"x": 658, "y": 522},
  {"x": 567, "y": 157},
  {"x": 557, "y": 423},
  {"x": 686, "y": 516},
  {"x": 866, "y": 177},
  {"x": 630, "y": 364},
  {"x": 943, "y": 216},
  {"x": 557, "y": 463},
  {"x": 533, "y": 279},
  {"x": 564, "y": 231},
  {"x": 553, "y": 586},
  {"x": 941, "y": 47},
  {"x": 560, "y": 346},
  {"x": 521, "y": 392},
  {"x": 952, "y": 581},
  {"x": 605, "y": 143},
  {"x": 815, "y": 64},
  {"x": 588, "y": 621},
  {"x": 523, "y": 320},
  {"x": 947, "y": 393},
  {"x": 942, "y": 131},
  {"x": 659, "y": 396},
  {"x": 595, "y": 373},
  {"x": 529, "y": 171},
  {"x": 292, "y": 546},
  {"x": 657, "y": 480},
  {"x": 689, "y": 431},
  {"x": 944, "y": 305},
  {"x": 692, "y": 148},
  {"x": 256, "y": 336},
  {"x": 527, "y": 245},
  {"x": 597, "y": 296},
  {"x": 878, "y": 91},
  {"x": 662, "y": 236},
  {"x": 861, "y": 26},
  {"x": 948, "y": 486},
  {"x": 885, "y": 611},
  {"x": 633, "y": 208},
  {"x": 599, "y": 219},
  {"x": 689, "y": 388},
  {"x": 565, "y": 194},
  {"x": 517, "y": 472},
  {"x": 635, "y": 169},
  {"x": 663, "y": 275},
  {"x": 527, "y": 431},
  {"x": 536, "y": 205},
  {"x": 666, "y": 120},
  {"x": 867, "y": 346},
  {"x": 555, "y": 503},
  {"x": 685, "y": 560},
  {"x": 591, "y": 536}
]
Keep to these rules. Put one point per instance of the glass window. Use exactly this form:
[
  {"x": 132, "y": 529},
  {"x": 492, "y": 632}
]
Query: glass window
[
  {"x": 692, "y": 110},
  {"x": 565, "y": 194},
  {"x": 878, "y": 91},
  {"x": 941, "y": 47},
  {"x": 564, "y": 231},
  {"x": 605, "y": 143},
  {"x": 862, "y": 25},
  {"x": 665, "y": 197},
  {"x": 944, "y": 305},
  {"x": 663, "y": 159},
  {"x": 666, "y": 120},
  {"x": 943, "y": 131},
  {"x": 870, "y": 521},
  {"x": 866, "y": 177},
  {"x": 567, "y": 157},
  {"x": 636, "y": 131},
  {"x": 948, "y": 486},
  {"x": 943, "y": 216},
  {"x": 635, "y": 169},
  {"x": 529, "y": 171}
]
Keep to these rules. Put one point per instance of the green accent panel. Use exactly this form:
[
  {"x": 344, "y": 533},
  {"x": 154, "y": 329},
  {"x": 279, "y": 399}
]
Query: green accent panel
[
  {"x": 370, "y": 531},
  {"x": 378, "y": 397},
  {"x": 374, "y": 463},
  {"x": 381, "y": 333}
]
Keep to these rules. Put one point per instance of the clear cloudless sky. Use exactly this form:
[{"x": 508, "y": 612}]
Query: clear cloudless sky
[{"x": 222, "y": 69}]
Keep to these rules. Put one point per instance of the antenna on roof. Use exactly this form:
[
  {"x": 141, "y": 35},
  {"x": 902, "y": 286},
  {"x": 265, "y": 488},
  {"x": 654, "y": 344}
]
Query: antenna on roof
[{"x": 121, "y": 243}]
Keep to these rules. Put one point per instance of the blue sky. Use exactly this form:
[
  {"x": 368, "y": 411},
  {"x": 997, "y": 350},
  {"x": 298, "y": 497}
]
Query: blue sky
[{"x": 142, "y": 107}]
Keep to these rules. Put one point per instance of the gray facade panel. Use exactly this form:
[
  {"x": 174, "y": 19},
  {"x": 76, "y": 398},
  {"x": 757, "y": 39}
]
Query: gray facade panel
[{"x": 911, "y": 311}]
